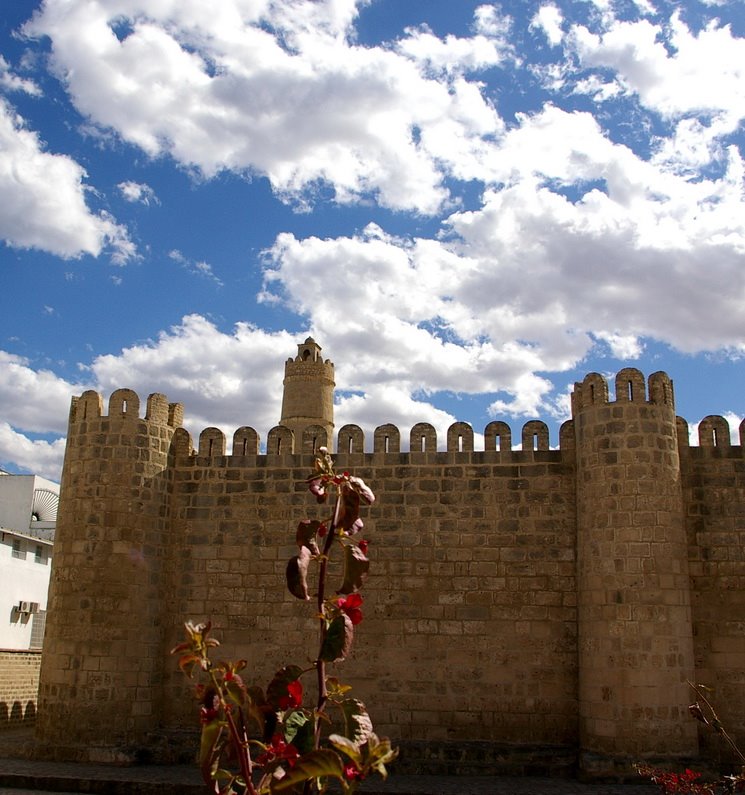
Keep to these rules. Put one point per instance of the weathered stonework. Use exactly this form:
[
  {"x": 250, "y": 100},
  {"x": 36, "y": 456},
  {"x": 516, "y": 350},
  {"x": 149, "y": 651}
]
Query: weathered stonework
[
  {"x": 526, "y": 609},
  {"x": 19, "y": 687}
]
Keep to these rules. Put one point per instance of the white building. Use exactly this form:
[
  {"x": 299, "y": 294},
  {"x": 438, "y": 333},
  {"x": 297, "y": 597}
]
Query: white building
[{"x": 28, "y": 515}]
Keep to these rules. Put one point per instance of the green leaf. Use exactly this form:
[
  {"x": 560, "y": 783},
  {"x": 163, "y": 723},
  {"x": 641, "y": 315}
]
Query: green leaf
[
  {"x": 297, "y": 574},
  {"x": 347, "y": 747},
  {"x": 208, "y": 745},
  {"x": 278, "y": 686},
  {"x": 293, "y": 723},
  {"x": 335, "y": 688},
  {"x": 300, "y": 731},
  {"x": 357, "y": 724},
  {"x": 379, "y": 753},
  {"x": 338, "y": 640},
  {"x": 316, "y": 764},
  {"x": 356, "y": 565}
]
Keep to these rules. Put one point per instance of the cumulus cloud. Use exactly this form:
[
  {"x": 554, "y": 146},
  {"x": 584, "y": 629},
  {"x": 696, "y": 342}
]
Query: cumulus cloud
[
  {"x": 702, "y": 72},
  {"x": 32, "y": 399},
  {"x": 137, "y": 192},
  {"x": 390, "y": 403},
  {"x": 413, "y": 323},
  {"x": 36, "y": 456},
  {"x": 549, "y": 18},
  {"x": 9, "y": 81},
  {"x": 453, "y": 53},
  {"x": 48, "y": 210},
  {"x": 223, "y": 379},
  {"x": 233, "y": 379},
  {"x": 279, "y": 89},
  {"x": 33, "y": 402},
  {"x": 535, "y": 277}
]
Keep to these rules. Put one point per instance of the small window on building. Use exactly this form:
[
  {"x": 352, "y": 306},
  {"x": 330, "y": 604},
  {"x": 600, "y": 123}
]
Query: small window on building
[
  {"x": 18, "y": 551},
  {"x": 38, "y": 624},
  {"x": 39, "y": 556}
]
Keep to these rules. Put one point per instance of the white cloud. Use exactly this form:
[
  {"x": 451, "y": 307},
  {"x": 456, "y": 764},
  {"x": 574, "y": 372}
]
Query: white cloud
[
  {"x": 37, "y": 456},
  {"x": 138, "y": 192},
  {"x": 625, "y": 347},
  {"x": 198, "y": 268},
  {"x": 278, "y": 89},
  {"x": 391, "y": 403},
  {"x": 599, "y": 89},
  {"x": 48, "y": 210},
  {"x": 703, "y": 72},
  {"x": 451, "y": 54},
  {"x": 34, "y": 400},
  {"x": 411, "y": 324},
  {"x": 529, "y": 398},
  {"x": 549, "y": 19},
  {"x": 586, "y": 242},
  {"x": 226, "y": 380},
  {"x": 12, "y": 82}
]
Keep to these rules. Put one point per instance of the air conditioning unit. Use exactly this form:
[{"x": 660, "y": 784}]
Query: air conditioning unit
[
  {"x": 33, "y": 607},
  {"x": 24, "y": 607}
]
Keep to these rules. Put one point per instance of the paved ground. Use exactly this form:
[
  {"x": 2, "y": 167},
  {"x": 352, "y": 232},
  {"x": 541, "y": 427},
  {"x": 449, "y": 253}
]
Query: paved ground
[{"x": 20, "y": 776}]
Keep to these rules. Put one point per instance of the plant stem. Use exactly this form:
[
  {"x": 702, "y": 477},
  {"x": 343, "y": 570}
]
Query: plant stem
[
  {"x": 718, "y": 727},
  {"x": 320, "y": 664},
  {"x": 239, "y": 743},
  {"x": 241, "y": 748}
]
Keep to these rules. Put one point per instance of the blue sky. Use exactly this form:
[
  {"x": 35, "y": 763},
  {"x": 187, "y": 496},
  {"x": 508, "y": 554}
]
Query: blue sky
[{"x": 469, "y": 205}]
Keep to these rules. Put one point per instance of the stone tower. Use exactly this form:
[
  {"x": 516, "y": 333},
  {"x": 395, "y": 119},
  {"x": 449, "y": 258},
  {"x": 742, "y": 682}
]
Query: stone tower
[
  {"x": 308, "y": 398},
  {"x": 100, "y": 678},
  {"x": 634, "y": 607}
]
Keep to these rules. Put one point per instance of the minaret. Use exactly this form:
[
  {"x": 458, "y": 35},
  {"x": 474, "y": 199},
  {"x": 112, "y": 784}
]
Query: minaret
[{"x": 308, "y": 397}]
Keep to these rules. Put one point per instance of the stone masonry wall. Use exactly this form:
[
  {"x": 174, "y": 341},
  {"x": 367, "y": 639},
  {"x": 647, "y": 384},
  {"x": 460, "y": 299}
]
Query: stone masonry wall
[
  {"x": 713, "y": 490},
  {"x": 470, "y": 619},
  {"x": 19, "y": 686},
  {"x": 473, "y": 653}
]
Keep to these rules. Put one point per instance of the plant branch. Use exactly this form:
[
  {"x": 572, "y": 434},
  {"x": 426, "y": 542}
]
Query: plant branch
[
  {"x": 715, "y": 723},
  {"x": 241, "y": 745},
  {"x": 320, "y": 664}
]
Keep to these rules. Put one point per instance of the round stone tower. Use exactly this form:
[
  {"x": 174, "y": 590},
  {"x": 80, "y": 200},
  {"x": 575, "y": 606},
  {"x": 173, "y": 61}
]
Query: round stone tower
[
  {"x": 308, "y": 397},
  {"x": 100, "y": 673},
  {"x": 635, "y": 631}
]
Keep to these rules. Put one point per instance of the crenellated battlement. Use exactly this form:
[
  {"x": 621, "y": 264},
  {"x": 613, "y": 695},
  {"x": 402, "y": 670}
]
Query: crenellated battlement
[
  {"x": 630, "y": 387},
  {"x": 497, "y": 436},
  {"x": 124, "y": 404},
  {"x": 386, "y": 440}
]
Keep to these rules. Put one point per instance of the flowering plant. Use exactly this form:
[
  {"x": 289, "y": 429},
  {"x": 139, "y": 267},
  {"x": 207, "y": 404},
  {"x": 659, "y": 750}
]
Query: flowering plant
[
  {"x": 287, "y": 751},
  {"x": 689, "y": 782}
]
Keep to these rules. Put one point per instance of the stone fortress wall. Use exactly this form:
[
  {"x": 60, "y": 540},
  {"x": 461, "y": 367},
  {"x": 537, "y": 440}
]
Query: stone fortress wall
[{"x": 530, "y": 609}]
